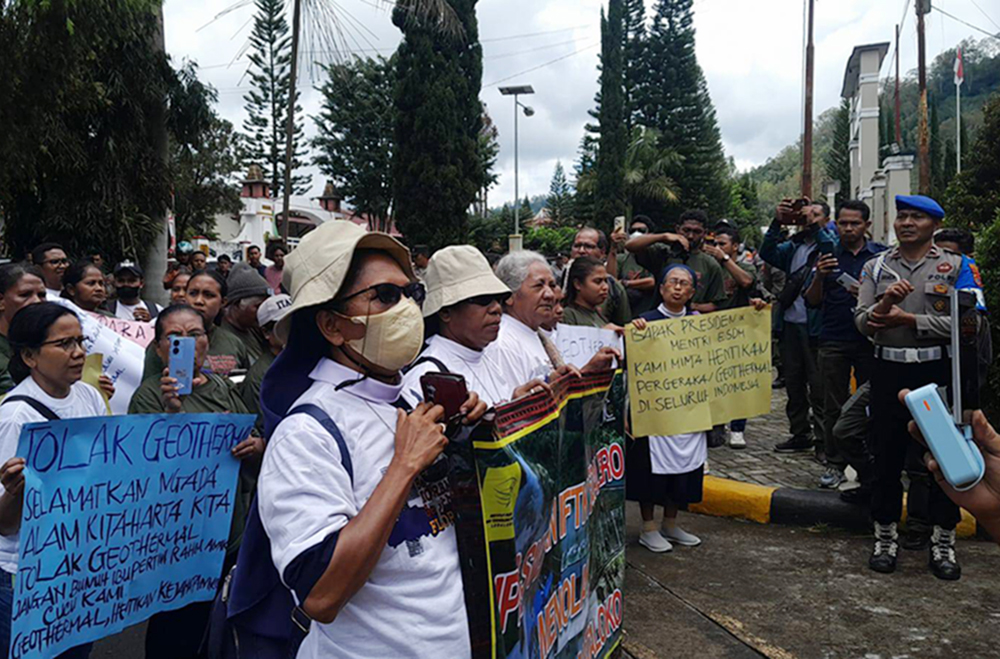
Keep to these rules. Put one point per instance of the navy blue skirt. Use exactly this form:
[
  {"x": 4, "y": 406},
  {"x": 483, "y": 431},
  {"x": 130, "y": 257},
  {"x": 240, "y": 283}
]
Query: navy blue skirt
[{"x": 642, "y": 485}]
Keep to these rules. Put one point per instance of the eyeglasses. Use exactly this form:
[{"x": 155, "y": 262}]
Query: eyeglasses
[
  {"x": 674, "y": 283},
  {"x": 390, "y": 294},
  {"x": 487, "y": 300},
  {"x": 69, "y": 344},
  {"x": 56, "y": 262}
]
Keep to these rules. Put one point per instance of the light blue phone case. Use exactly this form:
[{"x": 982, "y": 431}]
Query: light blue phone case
[
  {"x": 182, "y": 363},
  {"x": 960, "y": 460}
]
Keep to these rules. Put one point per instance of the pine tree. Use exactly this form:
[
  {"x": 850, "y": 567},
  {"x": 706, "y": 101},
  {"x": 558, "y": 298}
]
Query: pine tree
[
  {"x": 634, "y": 35},
  {"x": 838, "y": 159},
  {"x": 526, "y": 212},
  {"x": 560, "y": 199},
  {"x": 437, "y": 165},
  {"x": 614, "y": 135},
  {"x": 584, "y": 199},
  {"x": 676, "y": 101},
  {"x": 267, "y": 103}
]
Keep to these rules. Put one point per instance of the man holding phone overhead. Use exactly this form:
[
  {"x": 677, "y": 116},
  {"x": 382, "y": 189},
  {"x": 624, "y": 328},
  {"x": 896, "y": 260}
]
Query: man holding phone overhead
[
  {"x": 833, "y": 288},
  {"x": 797, "y": 256}
]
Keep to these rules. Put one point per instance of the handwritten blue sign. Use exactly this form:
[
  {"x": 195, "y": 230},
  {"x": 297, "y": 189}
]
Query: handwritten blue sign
[{"x": 123, "y": 517}]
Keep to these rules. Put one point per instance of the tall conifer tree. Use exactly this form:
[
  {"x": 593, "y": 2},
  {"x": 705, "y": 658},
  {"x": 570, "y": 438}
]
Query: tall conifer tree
[
  {"x": 437, "y": 165},
  {"x": 614, "y": 133},
  {"x": 838, "y": 159},
  {"x": 634, "y": 36},
  {"x": 675, "y": 101},
  {"x": 267, "y": 103}
]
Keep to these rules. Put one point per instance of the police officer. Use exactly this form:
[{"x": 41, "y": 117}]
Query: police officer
[{"x": 904, "y": 305}]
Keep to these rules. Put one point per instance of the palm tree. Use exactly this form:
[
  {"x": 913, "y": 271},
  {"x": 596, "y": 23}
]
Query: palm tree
[{"x": 647, "y": 168}]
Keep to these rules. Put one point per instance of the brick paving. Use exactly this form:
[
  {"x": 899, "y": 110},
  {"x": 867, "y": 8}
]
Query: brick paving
[{"x": 758, "y": 463}]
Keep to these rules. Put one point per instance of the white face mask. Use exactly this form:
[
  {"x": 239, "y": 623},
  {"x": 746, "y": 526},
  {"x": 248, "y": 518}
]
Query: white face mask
[
  {"x": 392, "y": 338},
  {"x": 636, "y": 234}
]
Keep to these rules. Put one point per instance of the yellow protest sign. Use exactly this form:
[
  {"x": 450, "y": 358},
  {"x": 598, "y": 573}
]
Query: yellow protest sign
[{"x": 689, "y": 374}]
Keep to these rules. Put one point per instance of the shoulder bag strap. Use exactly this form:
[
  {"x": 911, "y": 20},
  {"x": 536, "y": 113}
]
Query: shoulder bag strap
[{"x": 34, "y": 404}]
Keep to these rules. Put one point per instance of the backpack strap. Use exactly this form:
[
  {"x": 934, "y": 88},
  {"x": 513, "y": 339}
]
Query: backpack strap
[
  {"x": 153, "y": 310},
  {"x": 258, "y": 597},
  {"x": 34, "y": 404},
  {"x": 324, "y": 420}
]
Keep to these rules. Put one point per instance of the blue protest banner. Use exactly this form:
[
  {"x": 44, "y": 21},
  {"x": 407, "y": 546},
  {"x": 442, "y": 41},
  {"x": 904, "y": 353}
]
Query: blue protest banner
[{"x": 123, "y": 517}]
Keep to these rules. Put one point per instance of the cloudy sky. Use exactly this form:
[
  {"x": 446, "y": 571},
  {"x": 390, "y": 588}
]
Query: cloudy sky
[{"x": 751, "y": 53}]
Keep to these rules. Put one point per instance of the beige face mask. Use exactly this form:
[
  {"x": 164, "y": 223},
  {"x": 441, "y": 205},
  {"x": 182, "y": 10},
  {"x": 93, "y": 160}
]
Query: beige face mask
[{"x": 392, "y": 338}]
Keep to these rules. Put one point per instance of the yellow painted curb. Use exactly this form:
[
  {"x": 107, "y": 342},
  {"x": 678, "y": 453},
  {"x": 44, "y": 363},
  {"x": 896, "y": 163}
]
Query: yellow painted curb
[{"x": 722, "y": 497}]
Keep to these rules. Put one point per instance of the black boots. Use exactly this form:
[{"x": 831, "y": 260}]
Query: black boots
[
  {"x": 883, "y": 558},
  {"x": 943, "y": 562}
]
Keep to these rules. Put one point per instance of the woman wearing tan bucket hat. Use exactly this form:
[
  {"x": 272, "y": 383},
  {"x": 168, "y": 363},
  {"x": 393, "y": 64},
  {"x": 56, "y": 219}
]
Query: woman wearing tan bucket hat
[
  {"x": 462, "y": 315},
  {"x": 359, "y": 529}
]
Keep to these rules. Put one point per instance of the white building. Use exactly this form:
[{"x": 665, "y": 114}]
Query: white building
[{"x": 874, "y": 182}]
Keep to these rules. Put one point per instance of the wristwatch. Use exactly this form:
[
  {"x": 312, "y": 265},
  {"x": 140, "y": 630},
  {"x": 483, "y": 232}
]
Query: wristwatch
[{"x": 725, "y": 258}]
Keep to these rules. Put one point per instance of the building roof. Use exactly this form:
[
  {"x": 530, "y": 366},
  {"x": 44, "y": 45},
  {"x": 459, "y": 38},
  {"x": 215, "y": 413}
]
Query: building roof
[{"x": 853, "y": 72}]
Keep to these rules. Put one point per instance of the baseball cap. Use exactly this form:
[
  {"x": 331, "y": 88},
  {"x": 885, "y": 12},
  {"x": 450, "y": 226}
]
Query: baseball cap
[
  {"x": 129, "y": 266},
  {"x": 273, "y": 309}
]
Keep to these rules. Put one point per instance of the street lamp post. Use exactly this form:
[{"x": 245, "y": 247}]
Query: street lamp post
[{"x": 516, "y": 242}]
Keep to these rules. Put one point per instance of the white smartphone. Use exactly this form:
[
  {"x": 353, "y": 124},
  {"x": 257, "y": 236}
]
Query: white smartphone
[
  {"x": 848, "y": 282},
  {"x": 620, "y": 223}
]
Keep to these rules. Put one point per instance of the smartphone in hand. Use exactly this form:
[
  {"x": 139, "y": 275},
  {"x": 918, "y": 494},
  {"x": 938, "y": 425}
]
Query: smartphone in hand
[
  {"x": 447, "y": 390},
  {"x": 182, "y": 363},
  {"x": 960, "y": 459}
]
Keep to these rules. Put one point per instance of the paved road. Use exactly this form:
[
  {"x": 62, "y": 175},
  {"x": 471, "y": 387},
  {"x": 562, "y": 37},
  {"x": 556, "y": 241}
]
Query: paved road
[
  {"x": 774, "y": 591},
  {"x": 782, "y": 592}
]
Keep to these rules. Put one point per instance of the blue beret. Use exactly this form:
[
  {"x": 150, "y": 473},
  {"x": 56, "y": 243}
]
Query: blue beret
[{"x": 920, "y": 203}]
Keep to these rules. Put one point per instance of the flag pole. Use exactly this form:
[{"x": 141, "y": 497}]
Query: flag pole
[{"x": 959, "y": 79}]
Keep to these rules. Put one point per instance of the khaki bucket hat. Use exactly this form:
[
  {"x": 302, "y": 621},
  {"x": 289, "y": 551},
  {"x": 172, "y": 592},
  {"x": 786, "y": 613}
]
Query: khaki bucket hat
[
  {"x": 458, "y": 273},
  {"x": 317, "y": 268}
]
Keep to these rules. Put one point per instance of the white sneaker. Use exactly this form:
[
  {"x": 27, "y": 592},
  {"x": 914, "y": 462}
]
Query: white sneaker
[
  {"x": 737, "y": 440},
  {"x": 654, "y": 542},
  {"x": 679, "y": 536}
]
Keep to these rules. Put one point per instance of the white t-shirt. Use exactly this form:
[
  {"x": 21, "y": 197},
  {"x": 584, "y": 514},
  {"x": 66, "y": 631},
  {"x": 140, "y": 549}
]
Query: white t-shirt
[
  {"x": 127, "y": 311},
  {"x": 51, "y": 294},
  {"x": 482, "y": 374},
  {"x": 519, "y": 353},
  {"x": 83, "y": 401},
  {"x": 412, "y": 604}
]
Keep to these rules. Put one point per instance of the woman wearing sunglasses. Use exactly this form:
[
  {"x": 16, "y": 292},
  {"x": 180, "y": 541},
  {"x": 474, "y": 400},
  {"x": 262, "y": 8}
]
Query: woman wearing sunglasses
[
  {"x": 48, "y": 364},
  {"x": 462, "y": 315},
  {"x": 345, "y": 495}
]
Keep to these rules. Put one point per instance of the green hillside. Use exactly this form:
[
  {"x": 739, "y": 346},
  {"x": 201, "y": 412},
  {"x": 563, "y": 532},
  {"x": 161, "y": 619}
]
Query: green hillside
[{"x": 780, "y": 176}]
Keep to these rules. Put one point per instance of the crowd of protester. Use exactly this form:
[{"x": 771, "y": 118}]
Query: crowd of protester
[{"x": 326, "y": 345}]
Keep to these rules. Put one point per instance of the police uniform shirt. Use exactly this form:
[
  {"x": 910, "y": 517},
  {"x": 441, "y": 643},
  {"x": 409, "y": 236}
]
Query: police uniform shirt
[
  {"x": 933, "y": 278},
  {"x": 412, "y": 604}
]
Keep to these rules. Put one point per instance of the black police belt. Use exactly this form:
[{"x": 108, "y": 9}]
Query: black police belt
[{"x": 912, "y": 355}]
